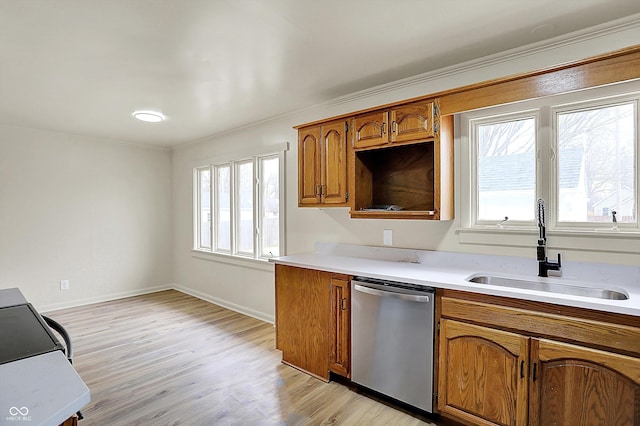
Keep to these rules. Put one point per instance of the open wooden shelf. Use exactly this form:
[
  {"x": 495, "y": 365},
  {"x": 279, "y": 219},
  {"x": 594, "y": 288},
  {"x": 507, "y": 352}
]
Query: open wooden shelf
[{"x": 399, "y": 175}]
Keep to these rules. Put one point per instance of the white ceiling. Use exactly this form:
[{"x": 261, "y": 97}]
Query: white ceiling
[{"x": 83, "y": 66}]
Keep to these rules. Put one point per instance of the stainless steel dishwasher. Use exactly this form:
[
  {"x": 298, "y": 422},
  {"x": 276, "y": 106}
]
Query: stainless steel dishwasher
[{"x": 392, "y": 339}]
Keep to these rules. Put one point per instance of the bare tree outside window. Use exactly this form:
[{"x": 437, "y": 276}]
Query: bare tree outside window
[{"x": 600, "y": 144}]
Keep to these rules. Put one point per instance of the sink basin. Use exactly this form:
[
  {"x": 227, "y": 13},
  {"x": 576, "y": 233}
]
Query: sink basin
[{"x": 562, "y": 288}]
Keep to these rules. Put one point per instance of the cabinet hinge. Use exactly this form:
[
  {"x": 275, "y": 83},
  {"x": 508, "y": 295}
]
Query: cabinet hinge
[
  {"x": 438, "y": 327},
  {"x": 436, "y": 396},
  {"x": 347, "y": 196},
  {"x": 346, "y": 126}
]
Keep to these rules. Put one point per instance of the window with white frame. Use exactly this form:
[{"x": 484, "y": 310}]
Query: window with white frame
[
  {"x": 577, "y": 151},
  {"x": 238, "y": 207},
  {"x": 596, "y": 167},
  {"x": 505, "y": 167}
]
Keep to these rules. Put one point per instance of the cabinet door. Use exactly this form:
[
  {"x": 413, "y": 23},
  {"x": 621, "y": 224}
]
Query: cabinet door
[
  {"x": 302, "y": 318},
  {"x": 412, "y": 122},
  {"x": 309, "y": 166},
  {"x": 339, "y": 331},
  {"x": 370, "y": 130},
  {"x": 334, "y": 163},
  {"x": 573, "y": 385},
  {"x": 482, "y": 374}
]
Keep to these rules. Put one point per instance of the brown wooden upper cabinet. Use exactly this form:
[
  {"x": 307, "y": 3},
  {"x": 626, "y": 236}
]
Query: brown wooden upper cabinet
[
  {"x": 322, "y": 164},
  {"x": 399, "y": 156},
  {"x": 406, "y": 123}
]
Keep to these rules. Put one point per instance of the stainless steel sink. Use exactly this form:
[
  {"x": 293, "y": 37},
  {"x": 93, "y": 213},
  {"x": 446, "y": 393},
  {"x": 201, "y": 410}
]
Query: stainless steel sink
[{"x": 562, "y": 288}]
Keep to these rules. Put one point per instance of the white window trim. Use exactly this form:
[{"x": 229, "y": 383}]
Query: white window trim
[
  {"x": 473, "y": 221},
  {"x": 521, "y": 235},
  {"x": 281, "y": 206},
  {"x": 555, "y": 223},
  {"x": 235, "y": 227},
  {"x": 231, "y": 256},
  {"x": 197, "y": 219},
  {"x": 215, "y": 201}
]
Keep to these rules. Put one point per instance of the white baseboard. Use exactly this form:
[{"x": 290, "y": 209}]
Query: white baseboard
[
  {"x": 121, "y": 295},
  {"x": 102, "y": 298},
  {"x": 226, "y": 304}
]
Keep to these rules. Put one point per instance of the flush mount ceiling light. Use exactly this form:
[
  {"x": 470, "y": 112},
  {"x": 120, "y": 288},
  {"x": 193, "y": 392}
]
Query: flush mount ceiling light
[{"x": 149, "y": 116}]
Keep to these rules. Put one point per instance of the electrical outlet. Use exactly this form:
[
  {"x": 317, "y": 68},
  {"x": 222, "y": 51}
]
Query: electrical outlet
[
  {"x": 64, "y": 284},
  {"x": 387, "y": 237}
]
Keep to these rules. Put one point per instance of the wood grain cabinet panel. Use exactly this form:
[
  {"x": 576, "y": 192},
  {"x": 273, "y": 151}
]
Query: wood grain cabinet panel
[
  {"x": 309, "y": 166},
  {"x": 371, "y": 129},
  {"x": 413, "y": 122},
  {"x": 578, "y": 386},
  {"x": 339, "y": 333},
  {"x": 322, "y": 164},
  {"x": 302, "y": 318},
  {"x": 333, "y": 179},
  {"x": 482, "y": 374}
]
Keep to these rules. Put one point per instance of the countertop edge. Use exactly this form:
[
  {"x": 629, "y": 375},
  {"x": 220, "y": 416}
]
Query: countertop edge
[{"x": 453, "y": 279}]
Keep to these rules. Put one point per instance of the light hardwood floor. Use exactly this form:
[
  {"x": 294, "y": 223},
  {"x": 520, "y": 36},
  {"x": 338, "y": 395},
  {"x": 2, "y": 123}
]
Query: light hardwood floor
[{"x": 171, "y": 359}]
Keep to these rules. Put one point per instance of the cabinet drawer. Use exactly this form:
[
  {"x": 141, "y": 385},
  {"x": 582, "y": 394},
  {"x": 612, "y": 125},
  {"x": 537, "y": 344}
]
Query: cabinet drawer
[{"x": 620, "y": 338}]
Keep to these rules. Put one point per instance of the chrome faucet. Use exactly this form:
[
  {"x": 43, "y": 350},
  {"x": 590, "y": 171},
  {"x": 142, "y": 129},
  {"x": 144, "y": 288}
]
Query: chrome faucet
[{"x": 544, "y": 264}]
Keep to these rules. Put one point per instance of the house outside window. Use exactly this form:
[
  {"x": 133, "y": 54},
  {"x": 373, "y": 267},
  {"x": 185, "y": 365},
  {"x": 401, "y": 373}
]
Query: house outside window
[{"x": 579, "y": 152}]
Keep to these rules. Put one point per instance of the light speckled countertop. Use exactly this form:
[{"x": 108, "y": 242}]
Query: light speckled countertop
[{"x": 450, "y": 270}]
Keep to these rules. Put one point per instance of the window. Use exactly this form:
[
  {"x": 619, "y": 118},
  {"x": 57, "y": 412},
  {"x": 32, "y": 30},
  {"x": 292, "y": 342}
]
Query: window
[
  {"x": 596, "y": 163},
  {"x": 204, "y": 208},
  {"x": 244, "y": 207},
  {"x": 244, "y": 196},
  {"x": 223, "y": 208},
  {"x": 269, "y": 218},
  {"x": 505, "y": 149},
  {"x": 578, "y": 151}
]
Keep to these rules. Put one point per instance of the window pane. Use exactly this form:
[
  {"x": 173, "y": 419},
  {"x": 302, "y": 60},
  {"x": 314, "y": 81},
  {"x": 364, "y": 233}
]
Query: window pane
[
  {"x": 223, "y": 208},
  {"x": 270, "y": 206},
  {"x": 244, "y": 215},
  {"x": 506, "y": 173},
  {"x": 596, "y": 167},
  {"x": 204, "y": 207}
]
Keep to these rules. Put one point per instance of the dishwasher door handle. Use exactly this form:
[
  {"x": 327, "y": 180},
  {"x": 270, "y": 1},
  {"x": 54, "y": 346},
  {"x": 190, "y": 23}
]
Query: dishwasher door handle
[{"x": 401, "y": 296}]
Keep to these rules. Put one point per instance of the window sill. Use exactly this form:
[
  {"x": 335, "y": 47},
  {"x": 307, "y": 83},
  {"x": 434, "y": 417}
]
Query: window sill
[
  {"x": 578, "y": 240},
  {"x": 260, "y": 264}
]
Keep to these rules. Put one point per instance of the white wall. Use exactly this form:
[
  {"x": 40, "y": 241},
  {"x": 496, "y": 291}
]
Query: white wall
[
  {"x": 93, "y": 211},
  {"x": 252, "y": 290}
]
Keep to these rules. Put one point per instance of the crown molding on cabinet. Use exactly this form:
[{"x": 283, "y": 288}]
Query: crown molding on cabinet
[{"x": 610, "y": 29}]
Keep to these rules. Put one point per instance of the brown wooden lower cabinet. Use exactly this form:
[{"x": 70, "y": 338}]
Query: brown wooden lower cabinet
[
  {"x": 339, "y": 332},
  {"x": 573, "y": 385},
  {"x": 520, "y": 375},
  {"x": 71, "y": 421},
  {"x": 480, "y": 377},
  {"x": 312, "y": 320}
]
